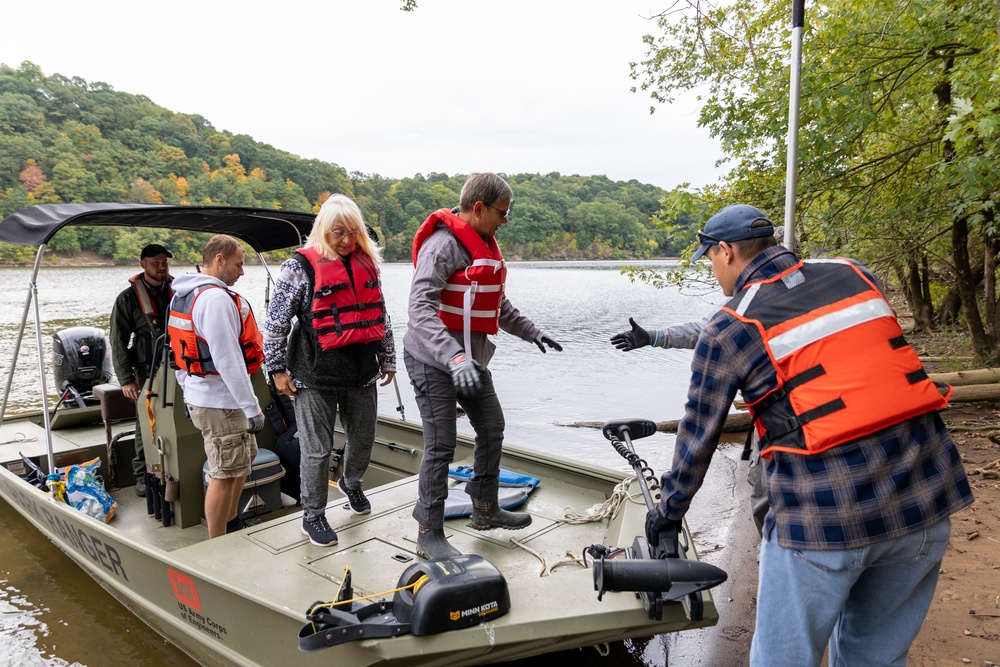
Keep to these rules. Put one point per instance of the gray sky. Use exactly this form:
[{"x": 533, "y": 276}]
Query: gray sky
[{"x": 456, "y": 86}]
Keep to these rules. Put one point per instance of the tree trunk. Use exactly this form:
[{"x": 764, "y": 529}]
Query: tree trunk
[
  {"x": 922, "y": 313},
  {"x": 981, "y": 343},
  {"x": 989, "y": 274}
]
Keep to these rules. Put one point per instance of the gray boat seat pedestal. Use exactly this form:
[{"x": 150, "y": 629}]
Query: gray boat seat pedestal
[{"x": 115, "y": 407}]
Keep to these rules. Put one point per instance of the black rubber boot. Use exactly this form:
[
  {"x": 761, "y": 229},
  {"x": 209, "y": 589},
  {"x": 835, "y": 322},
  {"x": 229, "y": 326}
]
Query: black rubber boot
[
  {"x": 431, "y": 544},
  {"x": 486, "y": 515}
]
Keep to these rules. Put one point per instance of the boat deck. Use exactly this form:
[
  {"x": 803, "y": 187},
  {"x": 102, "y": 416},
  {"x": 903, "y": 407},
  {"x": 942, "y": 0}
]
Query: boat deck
[
  {"x": 378, "y": 546},
  {"x": 194, "y": 589}
]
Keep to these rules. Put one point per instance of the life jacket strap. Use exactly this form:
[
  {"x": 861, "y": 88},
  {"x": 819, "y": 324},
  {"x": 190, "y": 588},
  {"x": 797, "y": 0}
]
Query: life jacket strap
[{"x": 790, "y": 425}]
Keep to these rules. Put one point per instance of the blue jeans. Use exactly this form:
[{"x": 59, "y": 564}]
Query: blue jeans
[{"x": 867, "y": 603}]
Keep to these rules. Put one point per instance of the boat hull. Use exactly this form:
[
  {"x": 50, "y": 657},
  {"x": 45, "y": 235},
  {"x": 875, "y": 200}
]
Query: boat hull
[{"x": 241, "y": 599}]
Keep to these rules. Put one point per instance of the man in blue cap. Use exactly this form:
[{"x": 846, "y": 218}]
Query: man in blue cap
[{"x": 860, "y": 471}]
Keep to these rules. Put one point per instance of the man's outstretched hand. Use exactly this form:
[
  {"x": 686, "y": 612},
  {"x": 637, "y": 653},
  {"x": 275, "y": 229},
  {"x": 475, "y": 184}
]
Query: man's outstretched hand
[
  {"x": 541, "y": 340},
  {"x": 631, "y": 340}
]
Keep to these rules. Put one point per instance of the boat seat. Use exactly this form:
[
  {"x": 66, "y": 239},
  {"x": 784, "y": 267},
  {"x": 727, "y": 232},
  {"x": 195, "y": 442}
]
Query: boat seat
[{"x": 115, "y": 407}]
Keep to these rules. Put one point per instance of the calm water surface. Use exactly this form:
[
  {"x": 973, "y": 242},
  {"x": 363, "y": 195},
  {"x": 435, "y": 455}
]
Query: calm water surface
[{"x": 53, "y": 614}]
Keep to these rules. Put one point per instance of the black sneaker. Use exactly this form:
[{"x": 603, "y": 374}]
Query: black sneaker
[
  {"x": 140, "y": 488},
  {"x": 319, "y": 531},
  {"x": 236, "y": 524},
  {"x": 357, "y": 501}
]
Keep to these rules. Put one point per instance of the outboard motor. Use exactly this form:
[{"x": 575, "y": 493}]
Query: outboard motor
[{"x": 80, "y": 361}]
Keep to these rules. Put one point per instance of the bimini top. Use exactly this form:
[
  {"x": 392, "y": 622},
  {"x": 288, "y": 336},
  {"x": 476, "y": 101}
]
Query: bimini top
[{"x": 262, "y": 229}]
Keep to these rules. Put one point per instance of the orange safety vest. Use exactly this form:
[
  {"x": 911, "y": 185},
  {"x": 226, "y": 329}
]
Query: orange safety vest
[
  {"x": 190, "y": 350},
  {"x": 843, "y": 368},
  {"x": 146, "y": 302},
  {"x": 344, "y": 311},
  {"x": 470, "y": 301}
]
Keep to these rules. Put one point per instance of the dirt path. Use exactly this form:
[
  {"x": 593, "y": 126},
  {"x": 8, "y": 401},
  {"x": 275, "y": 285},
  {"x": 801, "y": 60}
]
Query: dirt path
[{"x": 970, "y": 575}]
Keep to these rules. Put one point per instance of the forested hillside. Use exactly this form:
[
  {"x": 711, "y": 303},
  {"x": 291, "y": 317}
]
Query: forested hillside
[{"x": 68, "y": 140}]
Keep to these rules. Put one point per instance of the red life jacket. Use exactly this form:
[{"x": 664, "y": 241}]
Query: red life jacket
[
  {"x": 844, "y": 369},
  {"x": 146, "y": 302},
  {"x": 344, "y": 311},
  {"x": 470, "y": 301},
  {"x": 190, "y": 350}
]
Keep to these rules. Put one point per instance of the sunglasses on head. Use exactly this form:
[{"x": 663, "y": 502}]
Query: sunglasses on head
[{"x": 704, "y": 238}]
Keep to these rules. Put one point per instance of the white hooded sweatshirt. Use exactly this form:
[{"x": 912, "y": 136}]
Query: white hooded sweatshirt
[{"x": 217, "y": 321}]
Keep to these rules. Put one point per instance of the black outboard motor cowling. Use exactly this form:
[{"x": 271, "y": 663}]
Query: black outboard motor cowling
[{"x": 80, "y": 359}]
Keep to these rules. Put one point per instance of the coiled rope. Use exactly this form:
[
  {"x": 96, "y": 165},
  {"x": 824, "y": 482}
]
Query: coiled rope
[{"x": 609, "y": 508}]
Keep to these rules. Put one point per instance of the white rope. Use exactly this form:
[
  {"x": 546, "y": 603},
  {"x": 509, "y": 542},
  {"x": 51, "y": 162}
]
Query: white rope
[
  {"x": 545, "y": 566},
  {"x": 19, "y": 438},
  {"x": 608, "y": 509}
]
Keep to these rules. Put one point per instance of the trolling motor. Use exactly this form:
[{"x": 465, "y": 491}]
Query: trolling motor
[{"x": 656, "y": 572}]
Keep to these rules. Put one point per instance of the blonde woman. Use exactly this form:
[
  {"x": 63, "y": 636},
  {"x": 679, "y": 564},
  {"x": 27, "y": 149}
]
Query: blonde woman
[{"x": 332, "y": 356}]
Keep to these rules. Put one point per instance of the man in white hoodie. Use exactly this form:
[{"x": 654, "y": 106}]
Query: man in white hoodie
[{"x": 217, "y": 347}]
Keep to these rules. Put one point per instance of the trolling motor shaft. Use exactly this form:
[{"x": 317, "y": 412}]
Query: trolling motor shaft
[{"x": 656, "y": 572}]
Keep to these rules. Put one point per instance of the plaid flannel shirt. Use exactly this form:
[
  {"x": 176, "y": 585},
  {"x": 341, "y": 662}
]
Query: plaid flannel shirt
[{"x": 879, "y": 487}]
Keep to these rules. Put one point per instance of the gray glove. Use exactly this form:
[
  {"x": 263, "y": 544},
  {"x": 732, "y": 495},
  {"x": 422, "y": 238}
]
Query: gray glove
[
  {"x": 542, "y": 338},
  {"x": 630, "y": 340},
  {"x": 256, "y": 424},
  {"x": 465, "y": 375}
]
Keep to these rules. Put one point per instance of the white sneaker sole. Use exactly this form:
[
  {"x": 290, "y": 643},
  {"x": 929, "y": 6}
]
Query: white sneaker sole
[{"x": 318, "y": 544}]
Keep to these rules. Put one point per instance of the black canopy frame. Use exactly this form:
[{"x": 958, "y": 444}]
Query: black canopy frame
[{"x": 262, "y": 229}]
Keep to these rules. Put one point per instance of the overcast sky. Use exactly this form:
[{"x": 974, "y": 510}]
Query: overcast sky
[{"x": 456, "y": 86}]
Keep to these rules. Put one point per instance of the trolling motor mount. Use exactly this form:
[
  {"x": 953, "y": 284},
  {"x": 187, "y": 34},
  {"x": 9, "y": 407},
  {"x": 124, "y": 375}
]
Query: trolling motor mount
[{"x": 655, "y": 572}]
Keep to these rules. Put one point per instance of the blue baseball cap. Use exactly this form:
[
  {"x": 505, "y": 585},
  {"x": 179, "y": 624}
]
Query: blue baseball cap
[{"x": 732, "y": 223}]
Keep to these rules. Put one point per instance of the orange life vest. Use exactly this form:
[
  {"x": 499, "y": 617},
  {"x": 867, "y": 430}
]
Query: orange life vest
[
  {"x": 844, "y": 369},
  {"x": 470, "y": 301},
  {"x": 146, "y": 302},
  {"x": 190, "y": 350},
  {"x": 344, "y": 311}
]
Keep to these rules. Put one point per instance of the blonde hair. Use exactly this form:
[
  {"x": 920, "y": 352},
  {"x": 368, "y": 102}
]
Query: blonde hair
[{"x": 339, "y": 209}]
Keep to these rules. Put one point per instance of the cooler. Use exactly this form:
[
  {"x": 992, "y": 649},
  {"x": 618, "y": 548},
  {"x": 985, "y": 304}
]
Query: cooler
[{"x": 261, "y": 491}]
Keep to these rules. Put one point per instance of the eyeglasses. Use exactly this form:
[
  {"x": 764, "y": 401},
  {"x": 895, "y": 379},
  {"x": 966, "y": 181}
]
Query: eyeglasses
[
  {"x": 503, "y": 213},
  {"x": 704, "y": 238},
  {"x": 339, "y": 234}
]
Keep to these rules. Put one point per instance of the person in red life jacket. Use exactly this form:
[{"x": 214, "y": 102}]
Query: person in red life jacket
[
  {"x": 137, "y": 320},
  {"x": 860, "y": 472},
  {"x": 217, "y": 347},
  {"x": 457, "y": 300},
  {"x": 331, "y": 358}
]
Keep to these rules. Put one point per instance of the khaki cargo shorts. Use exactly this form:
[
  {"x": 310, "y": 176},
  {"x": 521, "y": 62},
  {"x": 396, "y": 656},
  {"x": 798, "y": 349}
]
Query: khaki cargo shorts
[{"x": 228, "y": 446}]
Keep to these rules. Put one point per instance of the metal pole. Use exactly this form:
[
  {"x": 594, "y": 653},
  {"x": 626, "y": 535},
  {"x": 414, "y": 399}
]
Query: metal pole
[
  {"x": 20, "y": 331},
  {"x": 41, "y": 373},
  {"x": 794, "y": 93},
  {"x": 399, "y": 399}
]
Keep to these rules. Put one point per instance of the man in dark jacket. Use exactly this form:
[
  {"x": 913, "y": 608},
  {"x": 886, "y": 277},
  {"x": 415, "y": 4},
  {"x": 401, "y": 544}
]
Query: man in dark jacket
[{"x": 137, "y": 319}]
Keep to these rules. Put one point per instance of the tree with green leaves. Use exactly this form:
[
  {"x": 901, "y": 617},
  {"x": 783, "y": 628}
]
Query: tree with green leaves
[{"x": 898, "y": 133}]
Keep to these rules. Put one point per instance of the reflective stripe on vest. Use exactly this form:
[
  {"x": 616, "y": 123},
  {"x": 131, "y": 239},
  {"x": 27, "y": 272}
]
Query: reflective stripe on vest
[
  {"x": 843, "y": 368},
  {"x": 472, "y": 296},
  {"x": 184, "y": 340},
  {"x": 344, "y": 311}
]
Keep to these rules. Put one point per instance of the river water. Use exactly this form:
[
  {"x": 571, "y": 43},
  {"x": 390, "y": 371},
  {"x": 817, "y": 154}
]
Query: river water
[{"x": 53, "y": 614}]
